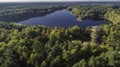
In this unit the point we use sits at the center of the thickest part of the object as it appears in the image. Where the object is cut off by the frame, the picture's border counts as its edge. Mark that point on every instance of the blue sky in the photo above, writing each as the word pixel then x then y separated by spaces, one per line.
pixel 49 0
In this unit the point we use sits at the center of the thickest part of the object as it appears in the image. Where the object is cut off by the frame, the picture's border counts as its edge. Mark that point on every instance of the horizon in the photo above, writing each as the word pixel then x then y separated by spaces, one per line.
pixel 65 2
pixel 15 1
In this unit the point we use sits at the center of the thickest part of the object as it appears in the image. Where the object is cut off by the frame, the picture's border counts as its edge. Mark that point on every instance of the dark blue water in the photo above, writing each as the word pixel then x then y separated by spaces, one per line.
pixel 60 18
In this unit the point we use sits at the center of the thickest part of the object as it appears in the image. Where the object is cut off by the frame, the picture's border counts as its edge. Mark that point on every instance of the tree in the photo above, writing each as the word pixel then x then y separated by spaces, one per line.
pixel 82 63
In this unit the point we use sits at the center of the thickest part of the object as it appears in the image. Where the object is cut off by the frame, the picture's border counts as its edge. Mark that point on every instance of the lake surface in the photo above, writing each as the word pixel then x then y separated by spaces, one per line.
pixel 60 18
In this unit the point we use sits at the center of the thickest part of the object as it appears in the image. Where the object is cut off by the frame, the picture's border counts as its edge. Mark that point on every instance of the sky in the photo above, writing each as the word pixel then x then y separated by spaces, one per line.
pixel 50 0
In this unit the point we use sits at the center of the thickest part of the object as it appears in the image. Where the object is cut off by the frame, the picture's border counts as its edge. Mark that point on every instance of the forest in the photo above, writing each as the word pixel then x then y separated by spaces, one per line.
pixel 102 12
pixel 41 46
pixel 16 13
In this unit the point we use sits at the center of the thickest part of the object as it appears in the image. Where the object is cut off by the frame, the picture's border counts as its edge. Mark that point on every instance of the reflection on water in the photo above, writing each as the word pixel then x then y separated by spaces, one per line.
pixel 60 18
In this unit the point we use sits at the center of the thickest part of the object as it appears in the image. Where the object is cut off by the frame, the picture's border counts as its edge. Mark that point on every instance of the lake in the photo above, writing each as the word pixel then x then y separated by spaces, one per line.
pixel 60 18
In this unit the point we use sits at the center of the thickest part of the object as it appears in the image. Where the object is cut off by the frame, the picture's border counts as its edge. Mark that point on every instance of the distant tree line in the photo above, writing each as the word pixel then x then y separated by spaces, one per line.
pixel 18 13
pixel 107 12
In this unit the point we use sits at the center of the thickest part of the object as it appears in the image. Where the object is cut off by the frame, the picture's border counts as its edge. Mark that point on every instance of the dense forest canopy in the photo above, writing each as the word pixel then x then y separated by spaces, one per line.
pixel 105 12
pixel 40 46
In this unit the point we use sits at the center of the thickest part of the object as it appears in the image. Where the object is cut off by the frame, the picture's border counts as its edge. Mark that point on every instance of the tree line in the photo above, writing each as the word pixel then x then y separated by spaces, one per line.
pixel 16 13
pixel 106 12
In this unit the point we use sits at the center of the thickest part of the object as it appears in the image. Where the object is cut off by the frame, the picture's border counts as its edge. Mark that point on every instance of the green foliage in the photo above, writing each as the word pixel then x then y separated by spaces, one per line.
pixel 97 12
pixel 82 63
pixel 113 15
pixel 40 46
pixel 21 11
